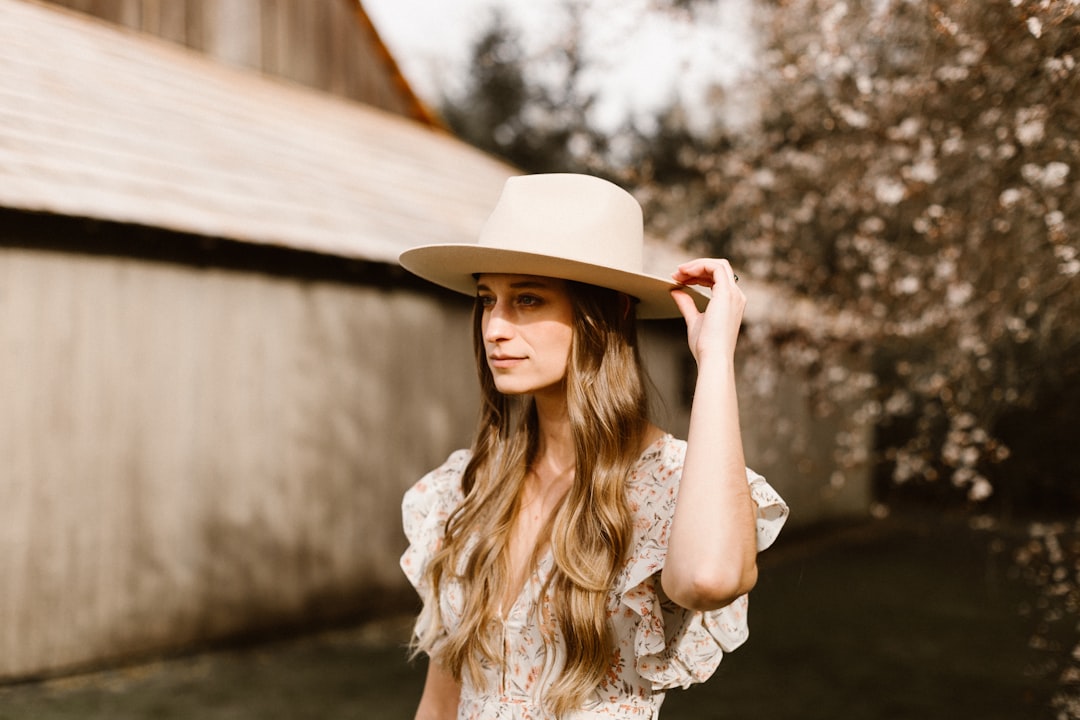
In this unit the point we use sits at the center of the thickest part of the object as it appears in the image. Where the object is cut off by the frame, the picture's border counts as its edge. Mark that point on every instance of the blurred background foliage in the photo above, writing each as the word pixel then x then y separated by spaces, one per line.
pixel 913 167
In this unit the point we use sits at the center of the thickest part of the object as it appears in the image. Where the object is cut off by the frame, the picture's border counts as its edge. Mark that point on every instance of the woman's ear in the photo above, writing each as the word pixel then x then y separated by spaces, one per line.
pixel 625 303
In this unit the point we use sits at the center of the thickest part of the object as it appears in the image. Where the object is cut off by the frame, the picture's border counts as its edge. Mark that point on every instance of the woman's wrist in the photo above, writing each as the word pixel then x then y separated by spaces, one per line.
pixel 715 361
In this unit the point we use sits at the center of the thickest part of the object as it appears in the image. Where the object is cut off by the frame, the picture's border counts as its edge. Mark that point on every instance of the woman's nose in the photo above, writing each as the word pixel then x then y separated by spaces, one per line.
pixel 496 325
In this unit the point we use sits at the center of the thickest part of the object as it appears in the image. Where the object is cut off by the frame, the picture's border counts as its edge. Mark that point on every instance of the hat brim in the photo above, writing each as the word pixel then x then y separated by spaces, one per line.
pixel 455 266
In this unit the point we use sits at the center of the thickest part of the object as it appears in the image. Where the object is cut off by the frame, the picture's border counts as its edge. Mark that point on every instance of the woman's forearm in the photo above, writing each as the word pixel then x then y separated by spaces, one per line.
pixel 712 548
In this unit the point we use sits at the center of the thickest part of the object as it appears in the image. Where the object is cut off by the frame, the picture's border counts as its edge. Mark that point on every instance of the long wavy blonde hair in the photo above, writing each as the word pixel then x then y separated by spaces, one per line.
pixel 590 531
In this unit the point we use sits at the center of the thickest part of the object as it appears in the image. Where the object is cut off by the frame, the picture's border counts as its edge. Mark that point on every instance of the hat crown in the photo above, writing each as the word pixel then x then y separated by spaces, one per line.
pixel 576 217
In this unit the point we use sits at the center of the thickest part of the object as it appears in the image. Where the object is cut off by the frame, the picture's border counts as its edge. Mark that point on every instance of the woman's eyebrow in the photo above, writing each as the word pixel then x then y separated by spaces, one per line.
pixel 519 285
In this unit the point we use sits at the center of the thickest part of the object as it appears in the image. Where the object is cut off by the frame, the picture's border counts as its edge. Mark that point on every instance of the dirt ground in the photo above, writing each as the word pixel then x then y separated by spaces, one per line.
pixel 914 616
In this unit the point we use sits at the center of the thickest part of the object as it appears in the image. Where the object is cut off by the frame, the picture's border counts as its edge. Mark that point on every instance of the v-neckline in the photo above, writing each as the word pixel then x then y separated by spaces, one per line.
pixel 537 577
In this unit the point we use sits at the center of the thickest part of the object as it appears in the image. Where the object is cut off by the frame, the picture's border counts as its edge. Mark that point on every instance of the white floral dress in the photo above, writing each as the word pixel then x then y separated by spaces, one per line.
pixel 660 645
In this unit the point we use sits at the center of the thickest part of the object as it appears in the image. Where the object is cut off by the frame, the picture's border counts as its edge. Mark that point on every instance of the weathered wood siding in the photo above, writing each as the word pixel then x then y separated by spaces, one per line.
pixel 191 454
pixel 325 44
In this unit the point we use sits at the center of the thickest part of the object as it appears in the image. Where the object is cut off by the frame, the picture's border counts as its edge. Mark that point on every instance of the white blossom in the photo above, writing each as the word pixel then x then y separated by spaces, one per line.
pixel 899 403
pixel 959 293
pixel 906 130
pixel 907 285
pixel 952 73
pixel 1054 175
pixel 854 118
pixel 980 489
pixel 1068 263
pixel 764 178
pixel 924 170
pixel 952 144
pixel 971 55
pixel 1058 68
pixel 1031 125
pixel 1055 220
pixel 1049 177
pixel 872 225
pixel 948 24
pixel 964 421
pixel 945 270
pixel 889 191
pixel 1009 197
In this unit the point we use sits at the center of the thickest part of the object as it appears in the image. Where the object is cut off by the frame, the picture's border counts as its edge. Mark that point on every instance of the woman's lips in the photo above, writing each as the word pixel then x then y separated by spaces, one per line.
pixel 504 361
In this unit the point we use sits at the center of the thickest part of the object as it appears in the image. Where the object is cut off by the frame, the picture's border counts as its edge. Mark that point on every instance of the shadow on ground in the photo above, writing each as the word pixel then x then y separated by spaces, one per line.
pixel 910 617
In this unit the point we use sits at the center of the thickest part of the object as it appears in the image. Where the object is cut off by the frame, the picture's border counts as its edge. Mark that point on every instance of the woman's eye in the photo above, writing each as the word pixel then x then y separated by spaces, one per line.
pixel 528 300
pixel 485 301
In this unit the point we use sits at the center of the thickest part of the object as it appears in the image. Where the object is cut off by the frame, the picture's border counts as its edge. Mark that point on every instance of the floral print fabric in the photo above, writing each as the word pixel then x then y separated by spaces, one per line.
pixel 659 644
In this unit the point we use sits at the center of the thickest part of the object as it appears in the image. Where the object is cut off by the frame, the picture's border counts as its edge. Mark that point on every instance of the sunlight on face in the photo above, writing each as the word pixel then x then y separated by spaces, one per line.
pixel 527 329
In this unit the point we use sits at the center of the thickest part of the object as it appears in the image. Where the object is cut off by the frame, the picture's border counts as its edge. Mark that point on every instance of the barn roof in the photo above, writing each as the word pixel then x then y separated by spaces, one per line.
pixel 104 123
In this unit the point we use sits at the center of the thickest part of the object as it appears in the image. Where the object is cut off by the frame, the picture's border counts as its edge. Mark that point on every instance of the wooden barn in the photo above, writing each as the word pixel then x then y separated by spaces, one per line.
pixel 215 380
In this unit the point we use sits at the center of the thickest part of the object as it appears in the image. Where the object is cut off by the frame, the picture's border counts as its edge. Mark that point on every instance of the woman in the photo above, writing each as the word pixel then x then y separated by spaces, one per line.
pixel 577 561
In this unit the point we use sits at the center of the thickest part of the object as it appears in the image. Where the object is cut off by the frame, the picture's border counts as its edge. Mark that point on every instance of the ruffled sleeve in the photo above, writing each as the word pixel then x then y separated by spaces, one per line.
pixel 424 511
pixel 673 646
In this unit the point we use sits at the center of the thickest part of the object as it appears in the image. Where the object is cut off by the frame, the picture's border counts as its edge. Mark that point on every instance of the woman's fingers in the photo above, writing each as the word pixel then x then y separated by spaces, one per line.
pixel 704 271
pixel 686 305
pixel 714 331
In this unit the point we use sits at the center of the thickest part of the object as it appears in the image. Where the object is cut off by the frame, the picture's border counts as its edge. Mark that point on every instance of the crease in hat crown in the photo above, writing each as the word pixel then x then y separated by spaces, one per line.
pixel 561 225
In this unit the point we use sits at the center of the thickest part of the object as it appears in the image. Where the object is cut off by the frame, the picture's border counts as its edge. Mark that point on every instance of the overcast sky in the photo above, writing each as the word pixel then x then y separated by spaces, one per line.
pixel 642 58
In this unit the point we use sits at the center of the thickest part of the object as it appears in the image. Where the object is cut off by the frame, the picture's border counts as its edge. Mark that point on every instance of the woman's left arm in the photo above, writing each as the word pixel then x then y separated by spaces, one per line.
pixel 712 547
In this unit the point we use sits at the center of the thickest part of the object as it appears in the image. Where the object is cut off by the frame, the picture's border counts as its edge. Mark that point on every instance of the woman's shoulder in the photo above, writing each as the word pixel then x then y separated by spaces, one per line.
pixel 662 458
pixel 450 470
pixel 439 491
pixel 424 511
pixel 663 447
pixel 654 481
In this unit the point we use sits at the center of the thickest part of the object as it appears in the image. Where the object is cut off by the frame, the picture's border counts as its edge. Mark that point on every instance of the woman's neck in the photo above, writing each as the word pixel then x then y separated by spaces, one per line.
pixel 555 455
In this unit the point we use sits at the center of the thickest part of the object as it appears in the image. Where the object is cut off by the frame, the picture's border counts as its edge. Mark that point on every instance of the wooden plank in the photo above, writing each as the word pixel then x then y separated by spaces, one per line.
pixel 167 19
pixel 340 34
pixel 194 23
pixel 299 45
pixel 269 34
pixel 85 6
pixel 233 32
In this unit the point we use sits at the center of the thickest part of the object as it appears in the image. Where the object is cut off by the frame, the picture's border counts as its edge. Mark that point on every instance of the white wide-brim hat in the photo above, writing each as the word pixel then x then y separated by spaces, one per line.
pixel 567 226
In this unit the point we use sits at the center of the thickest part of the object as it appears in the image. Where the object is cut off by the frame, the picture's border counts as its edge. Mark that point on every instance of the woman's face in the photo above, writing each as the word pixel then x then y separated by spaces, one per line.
pixel 527 326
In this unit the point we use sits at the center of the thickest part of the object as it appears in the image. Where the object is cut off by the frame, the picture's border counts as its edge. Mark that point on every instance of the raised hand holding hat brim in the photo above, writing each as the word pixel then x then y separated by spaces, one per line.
pixel 715 330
